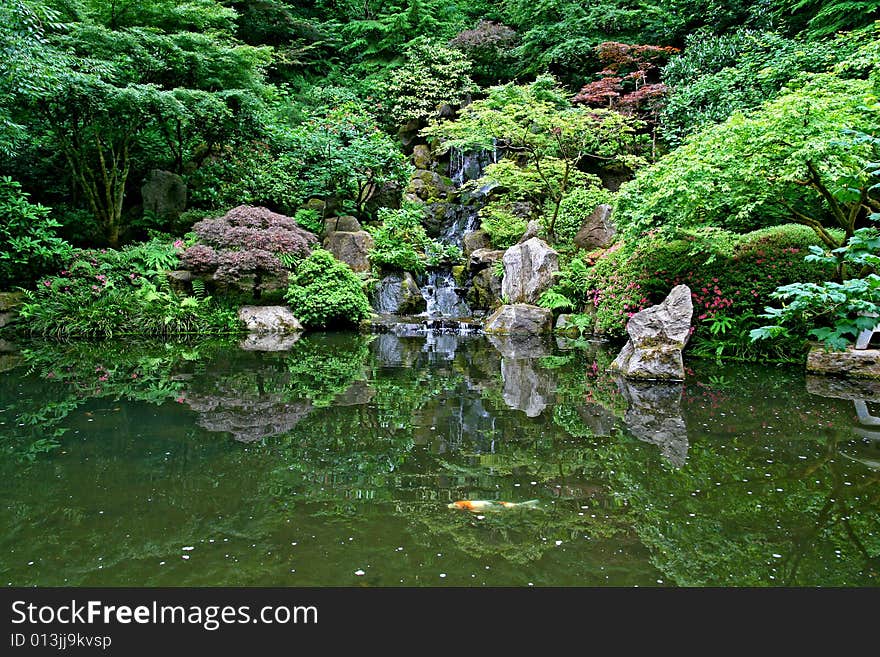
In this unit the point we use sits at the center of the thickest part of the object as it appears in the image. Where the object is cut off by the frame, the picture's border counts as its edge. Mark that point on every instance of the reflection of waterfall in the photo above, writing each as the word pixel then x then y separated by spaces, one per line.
pixel 441 294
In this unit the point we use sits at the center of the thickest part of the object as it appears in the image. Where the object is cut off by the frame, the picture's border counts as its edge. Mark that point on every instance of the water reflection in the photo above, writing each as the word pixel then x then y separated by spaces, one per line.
pixel 654 415
pixel 300 467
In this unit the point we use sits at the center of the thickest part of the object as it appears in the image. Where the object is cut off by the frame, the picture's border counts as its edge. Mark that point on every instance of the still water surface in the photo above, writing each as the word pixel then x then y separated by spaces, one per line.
pixel 332 462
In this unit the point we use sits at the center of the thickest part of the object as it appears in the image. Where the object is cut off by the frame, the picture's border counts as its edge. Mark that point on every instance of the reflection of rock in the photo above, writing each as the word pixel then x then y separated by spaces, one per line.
pixel 392 351
pixel 527 386
pixel 528 270
pixel 248 420
pixel 520 346
pixel 519 318
pixel 268 342
pixel 269 319
pixel 598 419
pixel 654 416
pixel 863 363
pixel 656 337
pixel 852 389
pixel 357 394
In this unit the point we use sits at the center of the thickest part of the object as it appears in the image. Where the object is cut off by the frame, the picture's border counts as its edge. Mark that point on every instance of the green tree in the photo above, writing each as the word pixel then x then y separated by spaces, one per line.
pixel 537 123
pixel 791 160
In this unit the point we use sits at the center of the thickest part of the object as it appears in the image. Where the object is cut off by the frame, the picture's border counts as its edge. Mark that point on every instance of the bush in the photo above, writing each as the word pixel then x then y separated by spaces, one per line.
pixel 576 206
pixel 247 242
pixel 325 292
pixel 109 292
pixel 731 276
pixel 401 242
pixel 503 227
pixel 29 246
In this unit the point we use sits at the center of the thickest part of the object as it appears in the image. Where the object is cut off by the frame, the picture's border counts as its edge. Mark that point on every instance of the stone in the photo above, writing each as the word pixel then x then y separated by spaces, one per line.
pixel 430 186
pixel 421 157
pixel 482 258
pixel 10 301
pixel 657 336
pixel 358 393
pixel 398 294
pixel 474 241
pixel 164 194
pixel 519 346
pixel 519 318
pixel 350 248
pixel 597 231
pixel 654 416
pixel 269 319
pixel 528 271
pixel 565 327
pixel 859 363
pixel 346 224
pixel 269 342
pixel 484 292
pixel 180 280
pixel 532 229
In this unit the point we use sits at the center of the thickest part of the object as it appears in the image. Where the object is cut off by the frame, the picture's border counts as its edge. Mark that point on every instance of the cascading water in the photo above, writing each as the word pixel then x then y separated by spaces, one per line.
pixel 440 290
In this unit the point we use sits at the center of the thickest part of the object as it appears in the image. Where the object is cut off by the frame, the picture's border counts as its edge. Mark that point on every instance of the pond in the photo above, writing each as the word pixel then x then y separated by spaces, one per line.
pixel 331 461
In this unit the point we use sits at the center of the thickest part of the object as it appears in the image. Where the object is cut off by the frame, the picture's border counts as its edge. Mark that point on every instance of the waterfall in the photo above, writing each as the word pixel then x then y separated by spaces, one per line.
pixel 441 295
pixel 441 292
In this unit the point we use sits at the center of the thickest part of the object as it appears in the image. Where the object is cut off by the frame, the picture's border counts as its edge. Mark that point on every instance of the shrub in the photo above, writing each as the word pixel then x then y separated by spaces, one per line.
pixel 325 292
pixel 401 242
pixel 730 276
pixel 29 246
pixel 245 242
pixel 504 227
pixel 111 292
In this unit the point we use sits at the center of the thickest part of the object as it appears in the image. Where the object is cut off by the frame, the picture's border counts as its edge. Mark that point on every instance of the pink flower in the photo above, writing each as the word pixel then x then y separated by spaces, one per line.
pixel 47 283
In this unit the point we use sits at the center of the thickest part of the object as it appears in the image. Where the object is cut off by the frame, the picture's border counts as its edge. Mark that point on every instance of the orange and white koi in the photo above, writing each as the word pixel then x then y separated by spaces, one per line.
pixel 479 506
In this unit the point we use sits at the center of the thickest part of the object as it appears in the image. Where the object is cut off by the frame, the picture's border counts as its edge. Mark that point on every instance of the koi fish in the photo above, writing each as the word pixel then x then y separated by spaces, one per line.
pixel 478 506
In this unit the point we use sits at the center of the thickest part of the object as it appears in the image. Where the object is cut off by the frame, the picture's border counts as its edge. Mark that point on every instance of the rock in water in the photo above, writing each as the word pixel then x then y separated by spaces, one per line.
pixel 597 231
pixel 656 337
pixel 519 318
pixel 164 194
pixel 269 319
pixel 528 271
pixel 350 248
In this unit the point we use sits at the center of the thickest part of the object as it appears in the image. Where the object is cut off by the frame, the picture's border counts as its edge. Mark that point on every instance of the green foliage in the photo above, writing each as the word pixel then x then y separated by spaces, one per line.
pixel 402 243
pixel 29 245
pixel 310 220
pixel 326 293
pixel 731 278
pixel 790 160
pixel 120 292
pixel 719 75
pixel 432 75
pixel 576 206
pixel 836 311
pixel 537 123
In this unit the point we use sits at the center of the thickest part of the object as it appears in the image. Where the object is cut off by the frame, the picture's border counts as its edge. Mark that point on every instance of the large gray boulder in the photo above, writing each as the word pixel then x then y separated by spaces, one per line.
pixel 528 271
pixel 482 258
pixel 269 319
pixel 519 318
pixel 351 248
pixel 398 294
pixel 345 223
pixel 164 194
pixel 657 336
pixel 597 231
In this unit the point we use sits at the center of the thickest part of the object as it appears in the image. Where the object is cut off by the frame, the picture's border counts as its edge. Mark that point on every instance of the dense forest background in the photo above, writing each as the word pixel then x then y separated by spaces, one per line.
pixel 682 114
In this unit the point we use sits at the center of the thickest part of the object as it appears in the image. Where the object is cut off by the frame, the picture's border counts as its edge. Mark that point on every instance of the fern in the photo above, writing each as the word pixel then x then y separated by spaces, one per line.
pixel 198 287
pixel 555 301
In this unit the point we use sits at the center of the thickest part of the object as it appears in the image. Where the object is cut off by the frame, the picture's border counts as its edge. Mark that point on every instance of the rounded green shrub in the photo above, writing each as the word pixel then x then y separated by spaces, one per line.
pixel 325 292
